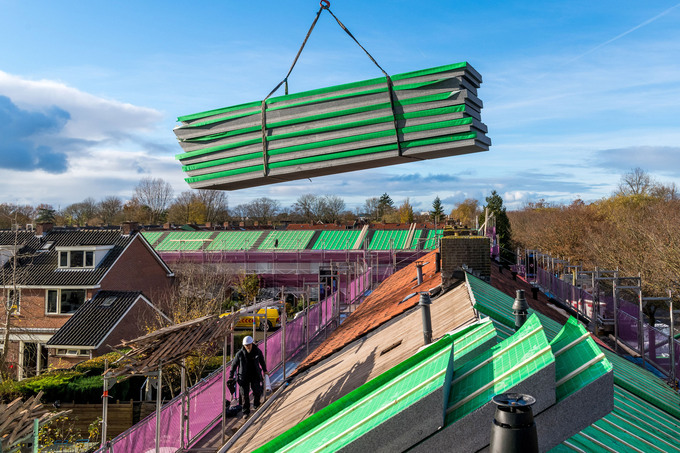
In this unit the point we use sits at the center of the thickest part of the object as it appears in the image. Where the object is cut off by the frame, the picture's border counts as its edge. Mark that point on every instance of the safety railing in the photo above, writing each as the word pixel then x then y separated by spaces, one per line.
pixel 204 401
pixel 654 344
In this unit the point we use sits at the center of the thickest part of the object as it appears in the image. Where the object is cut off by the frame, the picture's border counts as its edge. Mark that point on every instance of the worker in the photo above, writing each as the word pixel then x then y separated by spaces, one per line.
pixel 250 364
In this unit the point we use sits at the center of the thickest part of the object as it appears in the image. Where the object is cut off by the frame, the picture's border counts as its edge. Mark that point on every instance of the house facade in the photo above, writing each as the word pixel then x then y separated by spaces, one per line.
pixel 49 273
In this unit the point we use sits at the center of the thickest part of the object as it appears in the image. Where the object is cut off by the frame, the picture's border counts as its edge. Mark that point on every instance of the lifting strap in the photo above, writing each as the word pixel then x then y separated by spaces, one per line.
pixel 324 5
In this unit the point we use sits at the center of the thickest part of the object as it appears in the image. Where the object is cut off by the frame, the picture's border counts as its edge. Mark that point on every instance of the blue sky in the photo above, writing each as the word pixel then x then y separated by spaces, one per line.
pixel 575 93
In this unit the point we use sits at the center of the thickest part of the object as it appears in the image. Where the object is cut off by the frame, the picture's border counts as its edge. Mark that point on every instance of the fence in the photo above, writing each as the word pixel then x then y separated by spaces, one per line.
pixel 203 402
pixel 655 344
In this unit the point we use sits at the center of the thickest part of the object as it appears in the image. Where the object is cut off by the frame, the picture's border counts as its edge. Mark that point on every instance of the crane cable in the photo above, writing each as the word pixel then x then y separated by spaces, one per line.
pixel 324 5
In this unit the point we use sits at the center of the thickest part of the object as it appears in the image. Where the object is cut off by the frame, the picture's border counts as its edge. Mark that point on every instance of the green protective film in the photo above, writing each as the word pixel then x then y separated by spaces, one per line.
pixel 223 161
pixel 578 359
pixel 388 240
pixel 152 236
pixel 234 240
pixel 498 369
pixel 498 305
pixel 312 131
pixel 184 240
pixel 356 413
pixel 222 174
pixel 286 240
pixel 336 240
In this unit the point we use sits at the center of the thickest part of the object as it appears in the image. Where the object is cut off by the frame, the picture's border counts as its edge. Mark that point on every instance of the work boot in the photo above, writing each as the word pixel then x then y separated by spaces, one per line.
pixel 246 415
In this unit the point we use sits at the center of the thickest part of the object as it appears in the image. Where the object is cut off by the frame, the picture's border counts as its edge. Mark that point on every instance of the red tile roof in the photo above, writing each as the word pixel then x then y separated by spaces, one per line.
pixel 384 303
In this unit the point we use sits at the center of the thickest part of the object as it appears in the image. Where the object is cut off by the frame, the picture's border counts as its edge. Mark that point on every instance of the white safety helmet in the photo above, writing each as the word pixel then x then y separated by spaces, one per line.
pixel 247 340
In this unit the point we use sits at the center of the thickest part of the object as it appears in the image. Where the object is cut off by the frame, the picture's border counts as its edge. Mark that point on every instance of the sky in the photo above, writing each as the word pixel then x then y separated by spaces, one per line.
pixel 575 93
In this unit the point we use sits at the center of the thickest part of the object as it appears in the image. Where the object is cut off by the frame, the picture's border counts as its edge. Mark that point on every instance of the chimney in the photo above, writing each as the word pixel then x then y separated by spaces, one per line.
pixel 513 428
pixel 129 227
pixel 419 272
pixel 521 309
pixel 425 303
pixel 42 228
pixel 457 251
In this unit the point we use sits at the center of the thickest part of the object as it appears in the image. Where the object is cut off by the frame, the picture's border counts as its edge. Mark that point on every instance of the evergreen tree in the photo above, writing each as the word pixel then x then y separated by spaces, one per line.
pixel 437 212
pixel 385 205
pixel 494 203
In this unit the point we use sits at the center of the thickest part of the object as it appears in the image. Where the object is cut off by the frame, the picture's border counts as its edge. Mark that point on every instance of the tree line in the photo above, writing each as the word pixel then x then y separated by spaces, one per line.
pixel 154 203
pixel 635 230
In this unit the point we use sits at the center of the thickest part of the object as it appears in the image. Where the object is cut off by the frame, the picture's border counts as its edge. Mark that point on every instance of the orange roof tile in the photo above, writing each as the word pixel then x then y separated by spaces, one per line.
pixel 383 304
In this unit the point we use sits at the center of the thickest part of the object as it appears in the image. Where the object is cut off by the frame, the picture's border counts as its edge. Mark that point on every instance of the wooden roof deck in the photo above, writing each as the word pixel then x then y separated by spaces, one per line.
pixel 354 365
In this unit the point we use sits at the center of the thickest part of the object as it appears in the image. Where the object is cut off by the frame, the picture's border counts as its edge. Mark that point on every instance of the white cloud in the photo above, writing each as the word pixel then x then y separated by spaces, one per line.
pixel 91 117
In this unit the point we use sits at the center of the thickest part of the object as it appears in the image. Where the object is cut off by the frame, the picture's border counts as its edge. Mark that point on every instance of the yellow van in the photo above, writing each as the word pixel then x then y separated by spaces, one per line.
pixel 272 319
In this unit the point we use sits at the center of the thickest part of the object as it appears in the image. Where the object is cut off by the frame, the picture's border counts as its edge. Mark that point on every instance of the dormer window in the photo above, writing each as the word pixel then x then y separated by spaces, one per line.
pixel 82 257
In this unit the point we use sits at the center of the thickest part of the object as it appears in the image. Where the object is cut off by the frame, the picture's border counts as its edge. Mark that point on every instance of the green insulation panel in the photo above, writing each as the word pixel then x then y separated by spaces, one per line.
pixel 184 240
pixel 578 359
pixel 234 240
pixel 152 236
pixel 363 409
pixel 646 415
pixel 498 306
pixel 435 113
pixel 498 369
pixel 388 240
pixel 336 240
pixel 286 240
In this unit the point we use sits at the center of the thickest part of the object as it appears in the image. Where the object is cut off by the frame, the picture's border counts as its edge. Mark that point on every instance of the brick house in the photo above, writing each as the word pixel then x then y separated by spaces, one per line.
pixel 57 270
pixel 100 324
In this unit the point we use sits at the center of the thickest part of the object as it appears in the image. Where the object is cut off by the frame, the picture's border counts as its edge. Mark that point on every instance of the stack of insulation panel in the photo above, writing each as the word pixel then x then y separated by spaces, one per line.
pixel 435 113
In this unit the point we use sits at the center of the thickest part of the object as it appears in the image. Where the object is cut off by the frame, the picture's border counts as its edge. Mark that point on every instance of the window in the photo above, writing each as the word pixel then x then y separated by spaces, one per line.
pixel 64 301
pixel 73 352
pixel 82 259
pixel 14 299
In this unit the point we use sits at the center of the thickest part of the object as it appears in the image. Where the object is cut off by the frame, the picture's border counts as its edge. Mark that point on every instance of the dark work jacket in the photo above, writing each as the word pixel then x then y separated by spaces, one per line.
pixel 250 365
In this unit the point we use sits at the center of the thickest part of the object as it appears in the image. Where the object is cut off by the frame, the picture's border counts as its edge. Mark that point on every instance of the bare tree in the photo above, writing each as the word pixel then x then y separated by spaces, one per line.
pixel 14 268
pixel 110 210
pixel 636 182
pixel 371 208
pixel 331 208
pixel 156 194
pixel 216 205
pixel 12 214
pixel 307 206
pixel 262 209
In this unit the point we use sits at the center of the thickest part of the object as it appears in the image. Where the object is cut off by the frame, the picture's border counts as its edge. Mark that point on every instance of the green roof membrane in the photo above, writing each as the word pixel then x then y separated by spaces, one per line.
pixel 498 305
pixel 578 359
pixel 336 240
pixel 360 411
pixel 498 369
pixel 152 236
pixel 388 240
pixel 286 240
pixel 184 240
pixel 234 240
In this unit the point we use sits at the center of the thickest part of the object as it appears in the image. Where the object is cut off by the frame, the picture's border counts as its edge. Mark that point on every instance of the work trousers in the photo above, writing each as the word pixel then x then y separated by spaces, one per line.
pixel 245 388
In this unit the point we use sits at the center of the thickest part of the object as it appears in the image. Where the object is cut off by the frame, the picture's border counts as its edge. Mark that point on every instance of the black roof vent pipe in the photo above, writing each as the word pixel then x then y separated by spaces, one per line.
pixel 419 272
pixel 521 309
pixel 513 429
pixel 437 262
pixel 425 303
